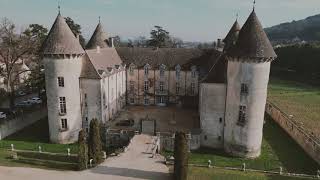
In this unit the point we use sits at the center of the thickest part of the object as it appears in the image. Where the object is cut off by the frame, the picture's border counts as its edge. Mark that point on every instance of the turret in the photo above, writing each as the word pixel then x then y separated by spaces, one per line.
pixel 63 55
pixel 98 39
pixel 247 81
pixel 232 36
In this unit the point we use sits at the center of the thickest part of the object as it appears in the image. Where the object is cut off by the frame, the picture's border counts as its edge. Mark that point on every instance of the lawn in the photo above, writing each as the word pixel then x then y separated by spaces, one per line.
pixel 297 99
pixel 30 138
pixel 220 174
pixel 278 149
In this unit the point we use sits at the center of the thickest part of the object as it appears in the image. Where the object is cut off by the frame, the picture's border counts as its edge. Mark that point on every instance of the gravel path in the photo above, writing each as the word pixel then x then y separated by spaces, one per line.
pixel 136 163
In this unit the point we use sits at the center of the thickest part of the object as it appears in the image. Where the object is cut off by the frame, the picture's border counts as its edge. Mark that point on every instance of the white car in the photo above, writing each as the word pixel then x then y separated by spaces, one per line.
pixel 35 100
pixel 3 115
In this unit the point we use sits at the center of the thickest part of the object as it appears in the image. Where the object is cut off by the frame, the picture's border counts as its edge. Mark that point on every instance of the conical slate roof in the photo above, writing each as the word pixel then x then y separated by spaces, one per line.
pixel 253 42
pixel 232 36
pixel 61 40
pixel 99 38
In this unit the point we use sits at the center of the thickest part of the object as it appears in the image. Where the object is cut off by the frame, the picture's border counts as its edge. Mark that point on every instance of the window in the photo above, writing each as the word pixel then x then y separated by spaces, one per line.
pixel 146 85
pixel 131 86
pixel 205 137
pixel 193 74
pixel 177 88
pixel 146 70
pixel 104 99
pixel 64 124
pixel 132 100
pixel 162 70
pixel 220 120
pixel 85 100
pixel 146 101
pixel 193 88
pixel 61 81
pixel 244 89
pixel 161 86
pixel 242 115
pixel 63 106
pixel 131 69
pixel 178 70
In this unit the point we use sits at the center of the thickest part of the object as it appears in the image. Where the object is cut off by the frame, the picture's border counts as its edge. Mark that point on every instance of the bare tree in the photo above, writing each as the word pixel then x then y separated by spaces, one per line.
pixel 13 48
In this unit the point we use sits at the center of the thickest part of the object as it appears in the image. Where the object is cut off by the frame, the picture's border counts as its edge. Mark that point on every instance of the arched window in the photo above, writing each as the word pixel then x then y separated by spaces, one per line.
pixel 131 69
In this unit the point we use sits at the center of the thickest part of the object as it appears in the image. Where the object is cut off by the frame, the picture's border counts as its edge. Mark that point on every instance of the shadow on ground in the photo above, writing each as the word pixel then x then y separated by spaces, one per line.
pixel 131 173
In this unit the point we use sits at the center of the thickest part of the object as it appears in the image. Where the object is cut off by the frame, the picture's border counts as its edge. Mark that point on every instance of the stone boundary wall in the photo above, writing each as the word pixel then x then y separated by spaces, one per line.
pixel 244 169
pixel 305 139
pixel 167 141
pixel 10 126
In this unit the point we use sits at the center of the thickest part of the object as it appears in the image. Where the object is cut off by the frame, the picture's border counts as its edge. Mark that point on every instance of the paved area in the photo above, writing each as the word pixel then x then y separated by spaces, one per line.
pixel 136 163
pixel 168 119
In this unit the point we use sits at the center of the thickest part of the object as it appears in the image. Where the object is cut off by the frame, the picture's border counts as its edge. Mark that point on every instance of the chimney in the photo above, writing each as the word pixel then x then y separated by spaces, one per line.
pixel 219 43
pixel 98 49
pixel 111 42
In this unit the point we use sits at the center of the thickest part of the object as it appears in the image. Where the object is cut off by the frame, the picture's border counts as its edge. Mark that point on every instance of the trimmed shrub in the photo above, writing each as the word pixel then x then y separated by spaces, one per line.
pixel 180 156
pixel 95 144
pixel 83 151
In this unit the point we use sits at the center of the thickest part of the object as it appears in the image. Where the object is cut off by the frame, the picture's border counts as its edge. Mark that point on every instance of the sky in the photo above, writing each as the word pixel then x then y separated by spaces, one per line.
pixel 190 20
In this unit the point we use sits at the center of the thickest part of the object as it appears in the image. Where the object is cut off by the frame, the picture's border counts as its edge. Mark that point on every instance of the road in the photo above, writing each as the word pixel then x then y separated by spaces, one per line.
pixel 135 164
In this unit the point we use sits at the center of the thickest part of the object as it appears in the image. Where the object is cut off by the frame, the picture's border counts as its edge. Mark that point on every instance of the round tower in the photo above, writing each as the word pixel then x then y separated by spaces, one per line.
pixel 247 80
pixel 62 58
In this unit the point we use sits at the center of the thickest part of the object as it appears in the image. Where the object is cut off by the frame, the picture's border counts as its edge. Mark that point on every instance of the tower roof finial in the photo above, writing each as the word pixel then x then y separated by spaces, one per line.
pixel 59 7
pixel 254 4
pixel 237 16
pixel 99 19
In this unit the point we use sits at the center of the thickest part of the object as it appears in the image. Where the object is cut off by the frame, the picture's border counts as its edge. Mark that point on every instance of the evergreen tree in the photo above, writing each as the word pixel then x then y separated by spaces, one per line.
pixel 95 144
pixel 83 151
pixel 180 156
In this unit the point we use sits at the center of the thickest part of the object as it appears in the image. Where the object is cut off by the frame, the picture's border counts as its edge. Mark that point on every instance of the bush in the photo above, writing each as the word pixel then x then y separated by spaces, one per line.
pixel 95 144
pixel 180 156
pixel 83 151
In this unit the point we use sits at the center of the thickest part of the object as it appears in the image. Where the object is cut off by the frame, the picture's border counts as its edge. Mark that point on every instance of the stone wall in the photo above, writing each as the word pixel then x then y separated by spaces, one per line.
pixel 167 141
pixel 211 110
pixel 308 142
pixel 10 126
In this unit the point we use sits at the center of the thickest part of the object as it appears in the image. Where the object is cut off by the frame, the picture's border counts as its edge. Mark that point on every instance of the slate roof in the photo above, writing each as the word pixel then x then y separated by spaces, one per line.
pixel 218 71
pixel 232 36
pixel 99 38
pixel 253 42
pixel 61 40
pixel 88 71
pixel 107 57
pixel 158 56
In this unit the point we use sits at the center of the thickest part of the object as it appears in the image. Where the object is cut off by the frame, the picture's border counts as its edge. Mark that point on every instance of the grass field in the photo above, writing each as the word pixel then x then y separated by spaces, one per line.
pixel 297 99
pixel 278 149
pixel 30 138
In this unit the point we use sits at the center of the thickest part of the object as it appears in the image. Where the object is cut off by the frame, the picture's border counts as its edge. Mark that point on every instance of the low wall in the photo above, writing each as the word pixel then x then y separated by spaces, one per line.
pixel 10 126
pixel 167 141
pixel 305 139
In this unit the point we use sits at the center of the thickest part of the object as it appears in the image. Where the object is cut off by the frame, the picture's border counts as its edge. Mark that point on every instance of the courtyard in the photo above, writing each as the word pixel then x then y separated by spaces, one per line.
pixel 168 119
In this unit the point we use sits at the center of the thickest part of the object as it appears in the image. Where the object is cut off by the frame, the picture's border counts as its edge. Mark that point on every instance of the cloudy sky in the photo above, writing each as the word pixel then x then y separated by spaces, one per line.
pixel 191 20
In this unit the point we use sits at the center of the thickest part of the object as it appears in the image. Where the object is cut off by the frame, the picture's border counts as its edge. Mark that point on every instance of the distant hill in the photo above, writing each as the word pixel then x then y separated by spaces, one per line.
pixel 296 31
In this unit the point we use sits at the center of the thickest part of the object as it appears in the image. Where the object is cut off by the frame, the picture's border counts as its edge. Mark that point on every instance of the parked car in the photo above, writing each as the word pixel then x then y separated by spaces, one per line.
pixel 3 115
pixel 24 104
pixel 21 93
pixel 35 100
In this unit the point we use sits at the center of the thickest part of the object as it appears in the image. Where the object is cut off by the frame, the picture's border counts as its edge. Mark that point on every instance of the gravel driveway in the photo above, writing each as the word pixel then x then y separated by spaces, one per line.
pixel 136 163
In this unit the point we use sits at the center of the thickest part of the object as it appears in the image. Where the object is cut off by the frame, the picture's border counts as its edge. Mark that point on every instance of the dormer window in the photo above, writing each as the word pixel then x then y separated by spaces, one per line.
pixel 178 71
pixel 162 70
pixel 131 70
pixel 193 71
pixel 146 70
